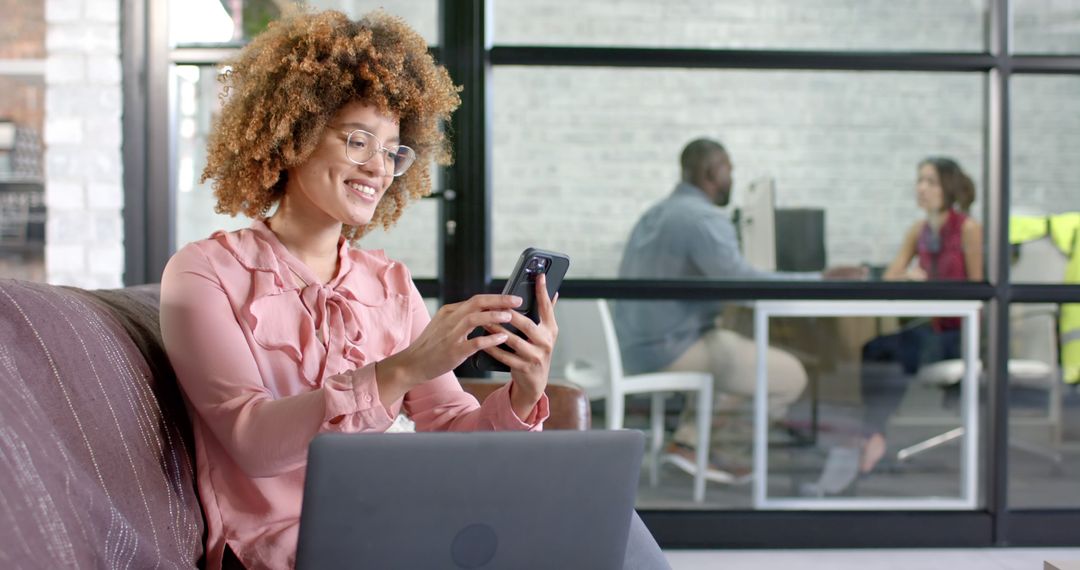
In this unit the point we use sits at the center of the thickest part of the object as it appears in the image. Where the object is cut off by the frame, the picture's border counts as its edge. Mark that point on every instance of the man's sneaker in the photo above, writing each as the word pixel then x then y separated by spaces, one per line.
pixel 718 471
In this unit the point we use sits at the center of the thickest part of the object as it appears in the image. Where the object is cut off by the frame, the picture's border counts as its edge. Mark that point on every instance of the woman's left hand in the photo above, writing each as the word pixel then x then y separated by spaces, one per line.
pixel 530 362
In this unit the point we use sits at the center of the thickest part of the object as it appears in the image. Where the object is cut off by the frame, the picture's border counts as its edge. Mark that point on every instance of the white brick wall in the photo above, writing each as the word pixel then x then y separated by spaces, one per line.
pixel 83 168
pixel 580 153
pixel 1046 26
pixel 64 11
pixel 941 25
pixel 1046 140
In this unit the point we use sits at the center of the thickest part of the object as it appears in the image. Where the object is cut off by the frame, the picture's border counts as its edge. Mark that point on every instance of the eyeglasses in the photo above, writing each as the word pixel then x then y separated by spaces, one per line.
pixel 361 146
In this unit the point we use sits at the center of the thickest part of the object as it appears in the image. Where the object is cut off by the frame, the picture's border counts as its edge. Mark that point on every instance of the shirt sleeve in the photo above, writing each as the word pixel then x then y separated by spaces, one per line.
pixel 222 383
pixel 714 248
pixel 440 404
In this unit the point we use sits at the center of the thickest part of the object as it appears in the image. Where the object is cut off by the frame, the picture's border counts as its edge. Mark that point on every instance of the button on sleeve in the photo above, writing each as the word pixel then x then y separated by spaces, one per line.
pixel 352 402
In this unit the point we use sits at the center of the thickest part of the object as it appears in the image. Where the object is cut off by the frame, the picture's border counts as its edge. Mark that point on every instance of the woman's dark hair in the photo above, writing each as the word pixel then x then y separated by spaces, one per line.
pixel 957 188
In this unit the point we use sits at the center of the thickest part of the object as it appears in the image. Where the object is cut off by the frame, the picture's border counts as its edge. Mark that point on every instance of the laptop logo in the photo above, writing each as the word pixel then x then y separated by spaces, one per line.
pixel 474 546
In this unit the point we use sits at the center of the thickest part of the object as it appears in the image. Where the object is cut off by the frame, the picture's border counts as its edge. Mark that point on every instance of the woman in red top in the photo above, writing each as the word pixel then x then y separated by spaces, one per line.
pixel 947 242
pixel 948 246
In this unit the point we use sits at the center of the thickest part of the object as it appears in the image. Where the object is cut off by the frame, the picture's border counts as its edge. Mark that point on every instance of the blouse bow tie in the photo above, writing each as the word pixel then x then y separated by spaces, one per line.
pixel 336 325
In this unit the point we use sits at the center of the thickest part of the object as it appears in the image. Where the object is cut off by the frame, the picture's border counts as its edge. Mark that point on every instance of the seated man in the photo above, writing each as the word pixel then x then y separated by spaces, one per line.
pixel 688 235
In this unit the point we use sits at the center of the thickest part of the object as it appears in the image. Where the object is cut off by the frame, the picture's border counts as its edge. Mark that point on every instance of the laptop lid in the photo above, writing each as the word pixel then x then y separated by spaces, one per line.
pixel 559 499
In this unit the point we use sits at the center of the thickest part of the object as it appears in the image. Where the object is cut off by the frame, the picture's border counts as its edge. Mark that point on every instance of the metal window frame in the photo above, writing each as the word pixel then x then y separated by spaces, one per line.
pixel 149 204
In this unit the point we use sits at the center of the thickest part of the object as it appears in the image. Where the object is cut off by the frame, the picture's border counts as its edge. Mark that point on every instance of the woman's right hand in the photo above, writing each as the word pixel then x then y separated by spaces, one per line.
pixel 444 343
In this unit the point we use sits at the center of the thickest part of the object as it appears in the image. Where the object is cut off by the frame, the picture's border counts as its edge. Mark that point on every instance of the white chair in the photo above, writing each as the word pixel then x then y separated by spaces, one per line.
pixel 1032 360
pixel 591 359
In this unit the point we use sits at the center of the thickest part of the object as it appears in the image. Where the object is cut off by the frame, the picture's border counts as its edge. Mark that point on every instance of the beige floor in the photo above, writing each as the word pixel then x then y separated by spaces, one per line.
pixel 897 559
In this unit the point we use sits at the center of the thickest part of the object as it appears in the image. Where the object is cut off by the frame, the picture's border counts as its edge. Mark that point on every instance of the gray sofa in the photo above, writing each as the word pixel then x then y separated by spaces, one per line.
pixel 96 452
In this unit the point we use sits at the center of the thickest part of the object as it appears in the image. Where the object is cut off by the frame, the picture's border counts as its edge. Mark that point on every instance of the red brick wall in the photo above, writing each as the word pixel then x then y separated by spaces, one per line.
pixel 22 99
pixel 22 31
pixel 22 36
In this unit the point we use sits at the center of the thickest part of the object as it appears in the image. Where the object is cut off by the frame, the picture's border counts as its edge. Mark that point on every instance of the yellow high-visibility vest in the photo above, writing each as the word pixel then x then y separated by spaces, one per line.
pixel 1064 231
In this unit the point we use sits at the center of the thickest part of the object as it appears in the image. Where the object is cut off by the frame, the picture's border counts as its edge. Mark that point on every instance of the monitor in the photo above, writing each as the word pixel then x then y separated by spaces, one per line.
pixel 800 239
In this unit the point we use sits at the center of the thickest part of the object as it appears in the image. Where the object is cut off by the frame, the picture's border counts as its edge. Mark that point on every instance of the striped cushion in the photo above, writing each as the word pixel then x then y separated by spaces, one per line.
pixel 95 446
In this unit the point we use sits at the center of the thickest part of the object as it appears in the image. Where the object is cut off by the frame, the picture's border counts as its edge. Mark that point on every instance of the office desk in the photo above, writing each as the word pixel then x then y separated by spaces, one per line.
pixel 967 311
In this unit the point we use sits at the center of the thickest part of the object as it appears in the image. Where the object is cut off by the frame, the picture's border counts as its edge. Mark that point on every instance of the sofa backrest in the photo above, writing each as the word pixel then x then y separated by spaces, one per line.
pixel 96 452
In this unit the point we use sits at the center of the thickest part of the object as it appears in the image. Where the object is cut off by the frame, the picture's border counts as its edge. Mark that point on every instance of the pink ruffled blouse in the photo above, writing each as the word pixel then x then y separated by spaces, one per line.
pixel 266 362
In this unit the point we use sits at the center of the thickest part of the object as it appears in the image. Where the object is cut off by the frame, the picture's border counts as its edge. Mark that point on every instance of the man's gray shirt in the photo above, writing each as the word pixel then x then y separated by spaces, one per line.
pixel 684 236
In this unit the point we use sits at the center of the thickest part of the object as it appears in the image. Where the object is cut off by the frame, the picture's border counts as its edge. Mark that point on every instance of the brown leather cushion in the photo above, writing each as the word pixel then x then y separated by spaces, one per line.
pixel 568 404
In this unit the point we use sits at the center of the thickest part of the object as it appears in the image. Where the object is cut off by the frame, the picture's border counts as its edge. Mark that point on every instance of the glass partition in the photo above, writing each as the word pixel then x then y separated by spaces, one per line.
pixel 1044 432
pixel 22 122
pixel 1045 209
pixel 580 154
pixel 867 400
pixel 874 25
pixel 1046 26
pixel 911 441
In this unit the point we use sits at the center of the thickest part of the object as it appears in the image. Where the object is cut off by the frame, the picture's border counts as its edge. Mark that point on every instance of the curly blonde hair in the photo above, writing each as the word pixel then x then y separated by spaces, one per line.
pixel 282 89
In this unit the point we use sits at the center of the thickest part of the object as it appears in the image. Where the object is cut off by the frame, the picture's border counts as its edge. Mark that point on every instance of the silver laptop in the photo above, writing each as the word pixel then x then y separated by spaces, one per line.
pixel 559 499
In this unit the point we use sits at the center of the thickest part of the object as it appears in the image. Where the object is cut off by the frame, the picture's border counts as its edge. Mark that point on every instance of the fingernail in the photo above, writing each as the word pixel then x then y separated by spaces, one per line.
pixel 503 317
pixel 501 337
pixel 515 300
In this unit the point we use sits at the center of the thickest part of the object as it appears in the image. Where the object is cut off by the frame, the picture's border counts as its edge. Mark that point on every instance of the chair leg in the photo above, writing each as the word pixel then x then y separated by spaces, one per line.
pixel 1037 450
pixel 1055 404
pixel 657 437
pixel 615 408
pixel 704 427
pixel 939 440
pixel 926 445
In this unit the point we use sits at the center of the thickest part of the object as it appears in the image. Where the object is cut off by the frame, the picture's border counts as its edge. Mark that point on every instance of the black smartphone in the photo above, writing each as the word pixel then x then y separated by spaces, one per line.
pixel 522 282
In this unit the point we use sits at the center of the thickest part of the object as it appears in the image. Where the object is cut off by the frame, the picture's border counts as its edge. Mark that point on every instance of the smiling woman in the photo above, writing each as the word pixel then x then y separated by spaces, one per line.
pixel 285 329
pixel 212 30
pixel 276 113
pixel 342 182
